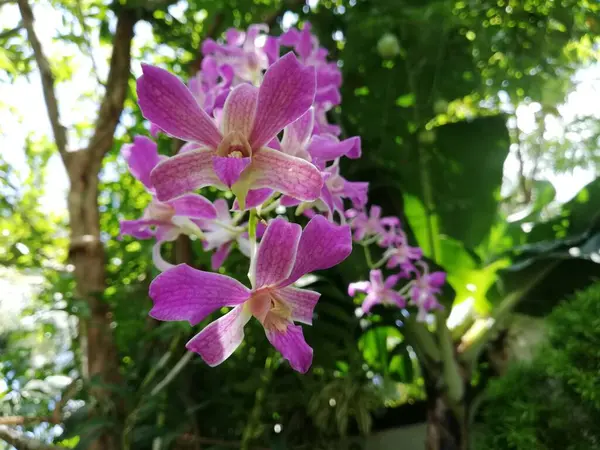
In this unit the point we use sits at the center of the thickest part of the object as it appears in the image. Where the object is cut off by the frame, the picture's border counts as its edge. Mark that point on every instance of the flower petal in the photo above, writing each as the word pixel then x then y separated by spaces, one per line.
pixel 322 245
pixel 239 110
pixel 140 228
pixel 220 339
pixel 287 91
pixel 328 149
pixel 183 293
pixel 297 134
pixel 370 301
pixel 184 173
pixel 158 260
pixel 302 302
pixel 292 346
pixel 282 173
pixel 194 206
pixel 229 169
pixel 358 286
pixel 276 253
pixel 168 103
pixel 141 156
pixel 220 255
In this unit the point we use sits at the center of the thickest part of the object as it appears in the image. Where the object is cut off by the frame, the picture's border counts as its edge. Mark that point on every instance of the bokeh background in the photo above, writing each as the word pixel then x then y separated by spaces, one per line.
pixel 480 126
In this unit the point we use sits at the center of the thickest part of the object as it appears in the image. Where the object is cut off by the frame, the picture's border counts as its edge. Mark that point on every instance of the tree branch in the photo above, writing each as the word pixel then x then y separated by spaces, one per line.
pixel 116 87
pixel 24 420
pixel 8 33
pixel 60 133
pixel 22 442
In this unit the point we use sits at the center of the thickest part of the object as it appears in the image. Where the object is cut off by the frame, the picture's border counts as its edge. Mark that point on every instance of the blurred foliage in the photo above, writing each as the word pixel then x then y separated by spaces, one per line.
pixel 553 402
pixel 424 84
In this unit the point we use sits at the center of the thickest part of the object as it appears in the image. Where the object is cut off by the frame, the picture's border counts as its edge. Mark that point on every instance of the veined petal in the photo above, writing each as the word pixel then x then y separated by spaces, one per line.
pixel 239 110
pixel 220 339
pixel 168 103
pixel 255 198
pixel 282 173
pixel 194 206
pixel 276 253
pixel 183 293
pixel 302 302
pixel 293 347
pixel 287 91
pixel 184 173
pixel 141 156
pixel 297 134
pixel 322 245
pixel 229 169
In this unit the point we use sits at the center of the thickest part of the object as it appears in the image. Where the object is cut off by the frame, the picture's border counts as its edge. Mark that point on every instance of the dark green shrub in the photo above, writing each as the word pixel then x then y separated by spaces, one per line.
pixel 553 402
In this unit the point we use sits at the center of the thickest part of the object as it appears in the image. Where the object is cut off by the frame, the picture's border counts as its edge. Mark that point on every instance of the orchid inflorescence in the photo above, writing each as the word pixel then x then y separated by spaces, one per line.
pixel 230 117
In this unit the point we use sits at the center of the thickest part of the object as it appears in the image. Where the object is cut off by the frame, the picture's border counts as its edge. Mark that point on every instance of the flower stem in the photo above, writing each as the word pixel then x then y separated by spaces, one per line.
pixel 252 223
pixel 252 428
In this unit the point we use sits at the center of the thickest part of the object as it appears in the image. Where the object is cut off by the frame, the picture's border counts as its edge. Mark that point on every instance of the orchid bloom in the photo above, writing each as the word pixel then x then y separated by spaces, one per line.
pixel 235 156
pixel 365 225
pixel 422 293
pixel 284 255
pixel 378 290
pixel 220 234
pixel 164 221
pixel 402 255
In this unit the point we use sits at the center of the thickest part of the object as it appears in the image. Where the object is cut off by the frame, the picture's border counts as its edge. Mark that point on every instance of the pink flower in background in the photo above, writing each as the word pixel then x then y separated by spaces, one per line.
pixel 164 221
pixel 364 225
pixel 423 291
pixel 235 156
pixel 247 54
pixel 378 290
pixel 284 255
pixel 402 255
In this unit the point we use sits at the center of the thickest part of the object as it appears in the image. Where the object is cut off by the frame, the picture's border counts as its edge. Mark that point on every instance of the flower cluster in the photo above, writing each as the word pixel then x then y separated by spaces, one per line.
pixel 255 123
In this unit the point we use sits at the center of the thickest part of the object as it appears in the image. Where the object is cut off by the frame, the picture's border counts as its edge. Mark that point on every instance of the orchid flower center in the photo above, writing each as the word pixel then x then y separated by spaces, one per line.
pixel 159 211
pixel 234 145
pixel 270 309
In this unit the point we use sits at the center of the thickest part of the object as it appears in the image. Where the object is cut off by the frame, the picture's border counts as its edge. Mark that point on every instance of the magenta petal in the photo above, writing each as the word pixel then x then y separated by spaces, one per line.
pixel 370 301
pixel 183 293
pixel 194 206
pixel 255 198
pixel 322 245
pixel 286 174
pixel 293 347
pixel 220 255
pixel 189 146
pixel 229 169
pixel 297 134
pixel 288 201
pixel 276 252
pixel 287 91
pixel 221 338
pixel 328 149
pixel 142 157
pixel 140 228
pixel 302 302
pixel 239 110
pixel 183 173
pixel 437 279
pixel 158 260
pixel 168 103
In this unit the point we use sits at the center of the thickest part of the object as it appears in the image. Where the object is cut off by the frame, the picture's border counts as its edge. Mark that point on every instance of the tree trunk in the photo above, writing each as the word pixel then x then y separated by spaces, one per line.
pixel 86 254
pixel 447 427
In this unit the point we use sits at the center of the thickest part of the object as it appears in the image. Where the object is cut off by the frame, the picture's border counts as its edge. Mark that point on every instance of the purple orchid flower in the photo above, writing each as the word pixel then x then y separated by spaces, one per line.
pixel 248 54
pixel 164 221
pixel 422 293
pixel 220 234
pixel 236 156
pixel 378 290
pixel 364 225
pixel 284 255
pixel 402 255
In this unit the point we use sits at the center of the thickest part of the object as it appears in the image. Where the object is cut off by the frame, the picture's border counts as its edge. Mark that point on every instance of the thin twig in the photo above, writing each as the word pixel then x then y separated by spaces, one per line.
pixel 60 132
pixel 8 33
pixel 22 442
pixel 25 420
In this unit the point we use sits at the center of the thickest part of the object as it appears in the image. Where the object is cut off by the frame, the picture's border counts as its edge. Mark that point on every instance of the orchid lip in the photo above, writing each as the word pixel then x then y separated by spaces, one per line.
pixel 234 145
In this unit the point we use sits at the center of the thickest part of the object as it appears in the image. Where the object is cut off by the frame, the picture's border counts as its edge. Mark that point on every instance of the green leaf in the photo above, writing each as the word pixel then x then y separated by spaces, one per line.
pixel 406 100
